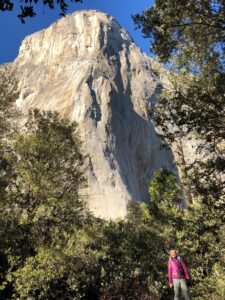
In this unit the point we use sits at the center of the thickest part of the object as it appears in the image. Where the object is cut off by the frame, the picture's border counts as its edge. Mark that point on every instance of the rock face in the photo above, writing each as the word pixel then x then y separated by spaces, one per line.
pixel 88 68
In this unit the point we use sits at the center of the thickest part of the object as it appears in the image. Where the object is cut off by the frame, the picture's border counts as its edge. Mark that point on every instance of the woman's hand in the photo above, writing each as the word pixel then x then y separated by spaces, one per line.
pixel 170 284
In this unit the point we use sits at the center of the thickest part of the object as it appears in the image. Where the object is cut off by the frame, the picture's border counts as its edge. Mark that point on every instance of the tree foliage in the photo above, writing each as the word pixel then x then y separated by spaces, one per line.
pixel 27 8
pixel 193 103
pixel 136 249
pixel 195 109
pixel 41 206
pixel 177 28
pixel 189 37
pixel 52 248
pixel 8 95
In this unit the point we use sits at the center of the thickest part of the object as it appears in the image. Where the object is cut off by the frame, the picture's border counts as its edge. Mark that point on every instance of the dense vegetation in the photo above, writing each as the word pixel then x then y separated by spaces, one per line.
pixel 53 248
pixel 189 37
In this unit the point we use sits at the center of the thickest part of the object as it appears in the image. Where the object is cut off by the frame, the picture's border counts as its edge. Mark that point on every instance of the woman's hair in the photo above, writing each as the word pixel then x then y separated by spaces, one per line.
pixel 172 250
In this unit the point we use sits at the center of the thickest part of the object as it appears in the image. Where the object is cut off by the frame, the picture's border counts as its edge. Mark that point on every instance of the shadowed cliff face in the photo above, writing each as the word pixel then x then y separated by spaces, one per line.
pixel 88 68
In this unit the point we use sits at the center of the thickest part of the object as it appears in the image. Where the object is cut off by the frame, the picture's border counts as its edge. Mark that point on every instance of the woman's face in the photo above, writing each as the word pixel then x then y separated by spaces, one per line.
pixel 173 253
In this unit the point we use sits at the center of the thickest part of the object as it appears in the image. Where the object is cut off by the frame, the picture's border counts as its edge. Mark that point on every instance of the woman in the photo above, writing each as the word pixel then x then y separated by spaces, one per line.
pixel 178 275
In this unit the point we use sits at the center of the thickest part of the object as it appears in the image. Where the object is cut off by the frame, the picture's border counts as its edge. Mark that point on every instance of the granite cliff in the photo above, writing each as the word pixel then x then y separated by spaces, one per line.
pixel 86 67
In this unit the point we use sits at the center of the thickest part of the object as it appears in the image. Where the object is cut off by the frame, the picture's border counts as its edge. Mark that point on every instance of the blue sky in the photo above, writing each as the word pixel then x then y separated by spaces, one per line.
pixel 13 32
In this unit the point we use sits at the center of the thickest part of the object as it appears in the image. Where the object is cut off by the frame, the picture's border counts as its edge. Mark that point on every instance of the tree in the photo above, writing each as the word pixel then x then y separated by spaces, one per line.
pixel 8 95
pixel 27 7
pixel 42 207
pixel 136 248
pixel 195 232
pixel 202 243
pixel 188 36
pixel 48 172
pixel 177 26
pixel 67 269
pixel 193 103
pixel 129 268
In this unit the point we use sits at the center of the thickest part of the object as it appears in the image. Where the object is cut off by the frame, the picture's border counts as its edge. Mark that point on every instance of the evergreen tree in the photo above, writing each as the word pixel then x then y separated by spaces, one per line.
pixel 190 30
pixel 193 103
pixel 8 95
pixel 189 37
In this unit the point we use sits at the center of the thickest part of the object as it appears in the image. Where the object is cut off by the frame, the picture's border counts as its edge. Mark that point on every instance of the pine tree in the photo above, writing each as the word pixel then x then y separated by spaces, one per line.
pixel 192 106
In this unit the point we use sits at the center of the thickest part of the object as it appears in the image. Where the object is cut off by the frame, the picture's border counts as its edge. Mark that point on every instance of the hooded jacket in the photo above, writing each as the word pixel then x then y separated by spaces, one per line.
pixel 177 269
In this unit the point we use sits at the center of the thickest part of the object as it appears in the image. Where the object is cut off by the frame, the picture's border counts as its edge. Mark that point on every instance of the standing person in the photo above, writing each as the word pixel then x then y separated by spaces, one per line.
pixel 178 275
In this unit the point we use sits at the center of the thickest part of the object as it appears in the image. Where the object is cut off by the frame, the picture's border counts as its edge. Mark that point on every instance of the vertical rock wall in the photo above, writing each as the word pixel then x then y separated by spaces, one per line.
pixel 88 68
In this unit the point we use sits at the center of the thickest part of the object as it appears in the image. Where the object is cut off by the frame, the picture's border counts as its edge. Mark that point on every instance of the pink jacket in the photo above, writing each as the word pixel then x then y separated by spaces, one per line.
pixel 177 269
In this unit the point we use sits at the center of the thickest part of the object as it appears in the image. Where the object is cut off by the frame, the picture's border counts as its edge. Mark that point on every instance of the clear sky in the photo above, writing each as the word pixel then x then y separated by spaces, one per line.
pixel 12 32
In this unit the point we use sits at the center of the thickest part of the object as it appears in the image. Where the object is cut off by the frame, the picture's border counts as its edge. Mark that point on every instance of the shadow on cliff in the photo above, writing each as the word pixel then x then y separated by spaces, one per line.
pixel 138 149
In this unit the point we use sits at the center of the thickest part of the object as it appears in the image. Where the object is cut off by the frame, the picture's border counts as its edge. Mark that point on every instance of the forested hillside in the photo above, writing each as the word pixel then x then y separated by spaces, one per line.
pixel 53 248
